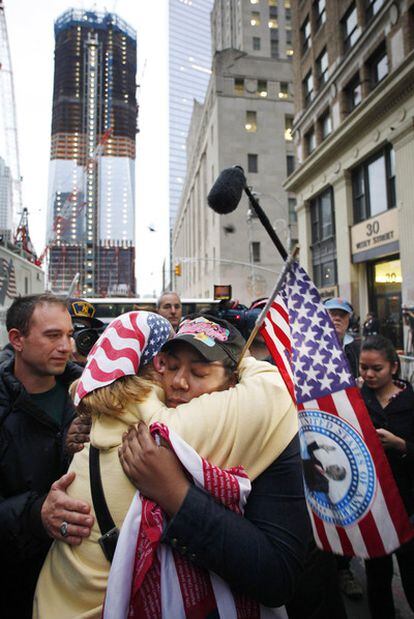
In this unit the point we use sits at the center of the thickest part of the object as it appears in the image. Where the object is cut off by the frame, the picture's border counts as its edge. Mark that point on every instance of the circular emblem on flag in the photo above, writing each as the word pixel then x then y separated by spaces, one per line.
pixel 338 469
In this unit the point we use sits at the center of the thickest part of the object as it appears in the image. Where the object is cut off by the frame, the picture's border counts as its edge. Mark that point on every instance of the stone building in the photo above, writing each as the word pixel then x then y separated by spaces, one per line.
pixel 354 135
pixel 246 120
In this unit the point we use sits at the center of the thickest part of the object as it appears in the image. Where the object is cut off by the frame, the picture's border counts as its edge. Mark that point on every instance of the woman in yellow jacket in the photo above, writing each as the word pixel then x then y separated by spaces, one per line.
pixel 249 424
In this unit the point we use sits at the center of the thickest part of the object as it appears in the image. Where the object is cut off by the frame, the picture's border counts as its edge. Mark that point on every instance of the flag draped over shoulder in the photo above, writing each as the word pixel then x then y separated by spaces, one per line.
pixel 354 503
pixel 150 580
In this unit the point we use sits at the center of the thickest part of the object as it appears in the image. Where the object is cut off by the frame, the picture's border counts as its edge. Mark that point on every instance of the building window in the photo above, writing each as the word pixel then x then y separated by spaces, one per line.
pixel 255 251
pixel 273 23
pixel 252 163
pixel 283 90
pixel 350 28
pixel 255 18
pixel 256 44
pixel 323 239
pixel 378 65
pixel 274 48
pixel 238 86
pixel 305 33
pixel 373 185
pixel 353 93
pixel 290 164
pixel 319 8
pixel 288 37
pixel 288 128
pixel 324 274
pixel 261 88
pixel 251 121
pixel 308 88
pixel 325 124
pixel 373 6
pixel 322 67
pixel 254 1
pixel 310 141
pixel 272 2
pixel 293 216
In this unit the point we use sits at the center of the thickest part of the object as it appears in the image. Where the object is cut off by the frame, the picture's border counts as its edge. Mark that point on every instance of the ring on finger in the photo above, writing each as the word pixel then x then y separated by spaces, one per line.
pixel 64 529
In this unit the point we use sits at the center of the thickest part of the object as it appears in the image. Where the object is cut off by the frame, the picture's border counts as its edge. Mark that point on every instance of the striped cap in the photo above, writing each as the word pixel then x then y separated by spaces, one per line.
pixel 131 340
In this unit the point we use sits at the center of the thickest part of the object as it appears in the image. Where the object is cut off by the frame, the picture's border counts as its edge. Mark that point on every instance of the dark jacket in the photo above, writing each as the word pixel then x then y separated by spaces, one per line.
pixel 352 351
pixel 32 457
pixel 397 417
pixel 261 554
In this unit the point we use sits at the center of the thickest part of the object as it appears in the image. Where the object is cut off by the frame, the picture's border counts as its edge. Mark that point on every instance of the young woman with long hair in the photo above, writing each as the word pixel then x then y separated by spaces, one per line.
pixel 390 403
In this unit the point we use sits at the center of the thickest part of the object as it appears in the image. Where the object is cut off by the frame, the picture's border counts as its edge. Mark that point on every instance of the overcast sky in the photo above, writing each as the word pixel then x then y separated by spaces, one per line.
pixel 30 28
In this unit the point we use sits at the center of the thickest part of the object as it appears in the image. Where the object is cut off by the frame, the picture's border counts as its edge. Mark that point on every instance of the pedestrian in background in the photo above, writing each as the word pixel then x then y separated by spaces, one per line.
pixel 371 325
pixel 169 306
pixel 390 403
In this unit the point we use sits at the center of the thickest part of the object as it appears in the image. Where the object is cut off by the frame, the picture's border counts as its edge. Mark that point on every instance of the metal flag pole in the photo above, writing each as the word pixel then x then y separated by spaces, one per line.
pixel 290 259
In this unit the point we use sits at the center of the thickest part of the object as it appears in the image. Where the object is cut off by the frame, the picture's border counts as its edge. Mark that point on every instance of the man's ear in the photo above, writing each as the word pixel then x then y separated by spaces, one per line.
pixel 159 362
pixel 16 339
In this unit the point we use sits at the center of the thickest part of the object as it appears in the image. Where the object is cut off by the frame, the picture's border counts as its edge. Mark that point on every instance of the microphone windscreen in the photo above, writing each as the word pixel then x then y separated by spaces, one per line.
pixel 227 191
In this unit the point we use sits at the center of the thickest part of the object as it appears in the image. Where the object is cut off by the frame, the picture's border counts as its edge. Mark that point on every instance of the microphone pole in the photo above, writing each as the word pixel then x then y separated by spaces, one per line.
pixel 266 223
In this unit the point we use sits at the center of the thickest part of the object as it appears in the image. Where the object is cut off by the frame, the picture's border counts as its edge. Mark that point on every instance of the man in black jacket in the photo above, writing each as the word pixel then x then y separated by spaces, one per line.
pixel 35 411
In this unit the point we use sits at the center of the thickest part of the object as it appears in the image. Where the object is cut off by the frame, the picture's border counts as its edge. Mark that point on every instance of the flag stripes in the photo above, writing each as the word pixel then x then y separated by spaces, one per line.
pixel 352 497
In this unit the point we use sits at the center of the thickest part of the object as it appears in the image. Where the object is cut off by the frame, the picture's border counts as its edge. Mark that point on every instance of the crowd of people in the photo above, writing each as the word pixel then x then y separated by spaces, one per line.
pixel 77 402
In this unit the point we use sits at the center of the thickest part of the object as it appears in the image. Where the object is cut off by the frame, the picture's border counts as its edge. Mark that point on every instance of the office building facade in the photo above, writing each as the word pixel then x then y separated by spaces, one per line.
pixel 354 134
pixel 245 120
pixel 189 50
pixel 92 178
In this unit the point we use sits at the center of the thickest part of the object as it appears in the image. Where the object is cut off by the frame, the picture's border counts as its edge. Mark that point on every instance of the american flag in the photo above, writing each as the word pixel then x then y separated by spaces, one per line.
pixel 7 280
pixel 129 341
pixel 352 498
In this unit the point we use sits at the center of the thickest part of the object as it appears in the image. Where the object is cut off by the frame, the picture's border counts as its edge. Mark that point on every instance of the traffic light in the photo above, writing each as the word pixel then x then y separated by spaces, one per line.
pixel 177 269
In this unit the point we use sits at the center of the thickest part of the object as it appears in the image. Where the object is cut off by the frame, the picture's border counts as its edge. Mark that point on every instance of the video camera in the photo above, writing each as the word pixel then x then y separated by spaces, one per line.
pixel 85 338
pixel 239 315
pixel 86 328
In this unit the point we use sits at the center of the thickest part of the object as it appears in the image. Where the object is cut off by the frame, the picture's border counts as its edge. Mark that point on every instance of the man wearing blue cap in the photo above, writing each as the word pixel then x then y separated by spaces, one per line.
pixel 340 311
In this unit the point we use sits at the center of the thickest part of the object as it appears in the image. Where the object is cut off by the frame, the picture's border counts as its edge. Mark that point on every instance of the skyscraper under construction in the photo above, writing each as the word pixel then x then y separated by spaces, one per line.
pixel 92 178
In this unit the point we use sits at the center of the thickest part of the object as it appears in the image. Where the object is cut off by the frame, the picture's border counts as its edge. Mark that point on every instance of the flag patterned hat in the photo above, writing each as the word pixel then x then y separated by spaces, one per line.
pixel 130 341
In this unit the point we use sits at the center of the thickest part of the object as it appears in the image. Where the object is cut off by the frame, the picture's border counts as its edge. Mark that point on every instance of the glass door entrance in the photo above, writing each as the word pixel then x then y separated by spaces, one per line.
pixel 385 294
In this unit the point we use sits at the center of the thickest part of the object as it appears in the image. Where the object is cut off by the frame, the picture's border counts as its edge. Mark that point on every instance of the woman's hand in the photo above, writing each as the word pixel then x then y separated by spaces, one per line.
pixel 154 470
pixel 390 441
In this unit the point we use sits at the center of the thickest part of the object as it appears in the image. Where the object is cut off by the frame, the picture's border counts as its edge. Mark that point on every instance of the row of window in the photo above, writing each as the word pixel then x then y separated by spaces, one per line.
pixel 318 19
pixel 374 70
pixel 261 88
pixel 253 163
pixel 274 44
pixel 373 192
pixel 322 74
pixel 350 27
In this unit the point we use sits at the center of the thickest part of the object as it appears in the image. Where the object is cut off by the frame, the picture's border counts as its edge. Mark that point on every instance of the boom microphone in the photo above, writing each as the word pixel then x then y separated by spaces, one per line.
pixel 226 192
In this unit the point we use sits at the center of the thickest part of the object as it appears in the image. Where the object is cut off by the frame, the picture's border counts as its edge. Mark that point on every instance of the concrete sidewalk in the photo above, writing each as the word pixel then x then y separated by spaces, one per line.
pixel 359 609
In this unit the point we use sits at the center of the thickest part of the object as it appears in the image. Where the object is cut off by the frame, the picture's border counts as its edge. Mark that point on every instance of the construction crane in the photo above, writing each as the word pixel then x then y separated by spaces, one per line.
pixel 9 150
pixel 22 237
